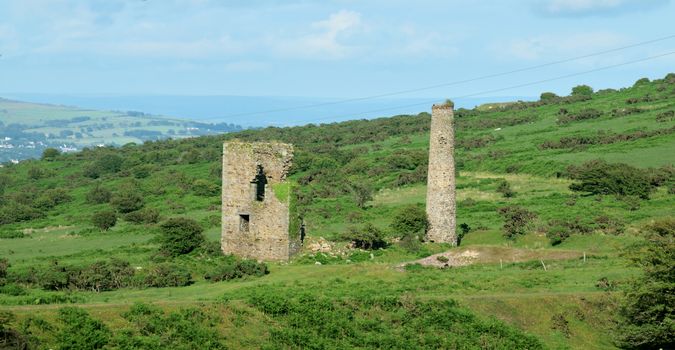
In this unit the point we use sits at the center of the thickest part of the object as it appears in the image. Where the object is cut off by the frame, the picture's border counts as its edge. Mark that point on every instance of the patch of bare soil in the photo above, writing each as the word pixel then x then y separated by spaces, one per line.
pixel 486 255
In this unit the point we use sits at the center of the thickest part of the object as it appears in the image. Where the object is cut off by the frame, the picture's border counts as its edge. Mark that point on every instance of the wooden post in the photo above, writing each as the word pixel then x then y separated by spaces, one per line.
pixel 542 264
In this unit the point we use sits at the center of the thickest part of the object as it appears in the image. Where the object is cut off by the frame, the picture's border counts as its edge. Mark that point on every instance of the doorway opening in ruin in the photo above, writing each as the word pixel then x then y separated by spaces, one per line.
pixel 259 182
pixel 244 222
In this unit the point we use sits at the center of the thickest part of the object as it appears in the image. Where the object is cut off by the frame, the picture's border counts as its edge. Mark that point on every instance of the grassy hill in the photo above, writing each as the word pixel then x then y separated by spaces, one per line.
pixel 26 129
pixel 518 292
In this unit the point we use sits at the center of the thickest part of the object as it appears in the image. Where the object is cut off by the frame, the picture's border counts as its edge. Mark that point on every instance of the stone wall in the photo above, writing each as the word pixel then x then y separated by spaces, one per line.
pixel 266 234
pixel 441 206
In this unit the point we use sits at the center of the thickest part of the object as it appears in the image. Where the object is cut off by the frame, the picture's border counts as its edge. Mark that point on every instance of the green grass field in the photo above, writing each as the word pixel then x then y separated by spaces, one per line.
pixel 562 305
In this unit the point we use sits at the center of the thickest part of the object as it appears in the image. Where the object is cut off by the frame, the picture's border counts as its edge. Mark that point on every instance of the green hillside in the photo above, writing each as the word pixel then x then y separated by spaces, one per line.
pixel 27 129
pixel 556 281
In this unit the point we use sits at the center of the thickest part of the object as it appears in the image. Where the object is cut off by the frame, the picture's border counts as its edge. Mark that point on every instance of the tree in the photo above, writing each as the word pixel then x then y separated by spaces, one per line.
pixel 180 236
pixel 362 193
pixel 50 153
pixel 104 219
pixel 582 90
pixel 648 311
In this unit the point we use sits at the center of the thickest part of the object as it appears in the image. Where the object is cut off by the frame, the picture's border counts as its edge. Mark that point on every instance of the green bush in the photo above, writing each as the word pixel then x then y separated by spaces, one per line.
pixel 205 188
pixel 180 236
pixel 365 237
pixel 237 269
pixel 516 220
pixel 410 221
pixel 504 187
pixel 166 275
pixel 98 195
pixel 600 177
pixel 104 220
pixel 548 96
pixel 51 198
pixel 143 216
pixel 127 200
pixel 13 290
pixel 4 265
pixel 103 276
pixel 11 234
pixel 557 234
pixel 9 337
pixel 648 310
pixel 582 90
pixel 182 329
pixel 80 331
pixel 50 153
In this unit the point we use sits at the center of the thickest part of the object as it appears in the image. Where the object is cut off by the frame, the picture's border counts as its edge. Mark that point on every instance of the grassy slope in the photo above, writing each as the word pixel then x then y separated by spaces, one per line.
pixel 521 293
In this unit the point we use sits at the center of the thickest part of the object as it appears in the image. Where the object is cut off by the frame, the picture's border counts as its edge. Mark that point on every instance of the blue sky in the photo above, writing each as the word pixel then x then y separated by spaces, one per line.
pixel 340 48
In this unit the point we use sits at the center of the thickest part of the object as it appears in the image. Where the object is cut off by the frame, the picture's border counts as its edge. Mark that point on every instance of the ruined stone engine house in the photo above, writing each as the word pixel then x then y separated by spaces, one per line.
pixel 258 219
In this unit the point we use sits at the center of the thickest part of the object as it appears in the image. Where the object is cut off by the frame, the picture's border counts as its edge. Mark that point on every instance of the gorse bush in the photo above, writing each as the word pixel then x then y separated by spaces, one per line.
pixel 104 220
pixel 80 331
pixel 648 309
pixel 516 220
pixel 180 236
pixel 152 328
pixel 143 216
pixel 237 269
pixel 371 322
pixel 365 237
pixel 410 221
pixel 166 275
pixel 600 177
pixel 504 187
pixel 127 200
pixel 98 195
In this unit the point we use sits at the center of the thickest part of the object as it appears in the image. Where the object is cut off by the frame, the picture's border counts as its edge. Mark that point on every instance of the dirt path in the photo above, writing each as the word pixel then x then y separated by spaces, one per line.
pixel 489 254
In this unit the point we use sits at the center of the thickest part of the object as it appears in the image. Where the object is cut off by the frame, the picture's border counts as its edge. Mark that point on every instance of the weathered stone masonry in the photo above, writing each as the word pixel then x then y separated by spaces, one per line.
pixel 256 201
pixel 441 206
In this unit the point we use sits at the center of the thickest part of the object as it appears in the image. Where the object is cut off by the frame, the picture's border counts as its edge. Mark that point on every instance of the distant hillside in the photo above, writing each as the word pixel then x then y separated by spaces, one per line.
pixel 26 129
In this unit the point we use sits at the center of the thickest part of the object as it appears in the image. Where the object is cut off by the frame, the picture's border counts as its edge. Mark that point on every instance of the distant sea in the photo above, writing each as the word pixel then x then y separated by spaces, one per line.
pixel 253 111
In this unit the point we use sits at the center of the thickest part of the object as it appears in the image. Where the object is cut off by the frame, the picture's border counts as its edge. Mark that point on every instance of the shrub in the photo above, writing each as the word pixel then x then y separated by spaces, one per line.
pixel 237 269
pixel 17 212
pixel 127 200
pixel 505 189
pixel 582 90
pixel 167 275
pixel 464 229
pixel 80 330
pixel 180 236
pixel 182 329
pixel 648 309
pixel 609 225
pixel 104 220
pixel 104 276
pixel 51 198
pixel 547 96
pixel 205 188
pixel 365 237
pixel 98 195
pixel 110 163
pixel 13 290
pixel 410 221
pixel 557 234
pixel 362 192
pixel 36 173
pixel 143 216
pixel 11 234
pixel 10 338
pixel 50 153
pixel 641 81
pixel 600 177
pixel 584 114
pixel 4 265
pixel 516 220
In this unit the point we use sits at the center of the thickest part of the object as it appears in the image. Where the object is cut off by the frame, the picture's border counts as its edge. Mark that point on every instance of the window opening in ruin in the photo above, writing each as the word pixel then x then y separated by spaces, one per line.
pixel 244 222
pixel 259 183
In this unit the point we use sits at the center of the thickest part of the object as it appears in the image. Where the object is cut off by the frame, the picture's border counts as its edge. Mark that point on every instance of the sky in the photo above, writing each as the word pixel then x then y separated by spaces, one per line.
pixel 329 49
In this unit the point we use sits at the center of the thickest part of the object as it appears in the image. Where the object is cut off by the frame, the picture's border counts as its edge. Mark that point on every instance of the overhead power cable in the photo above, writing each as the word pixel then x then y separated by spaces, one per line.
pixel 497 90
pixel 446 84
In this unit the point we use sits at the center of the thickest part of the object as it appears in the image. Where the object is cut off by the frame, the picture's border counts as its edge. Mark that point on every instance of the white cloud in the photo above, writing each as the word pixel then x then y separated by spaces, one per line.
pixel 593 7
pixel 327 39
pixel 541 46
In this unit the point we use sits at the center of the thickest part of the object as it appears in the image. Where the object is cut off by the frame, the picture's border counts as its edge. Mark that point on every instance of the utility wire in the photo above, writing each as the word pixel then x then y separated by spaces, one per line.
pixel 500 89
pixel 458 82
